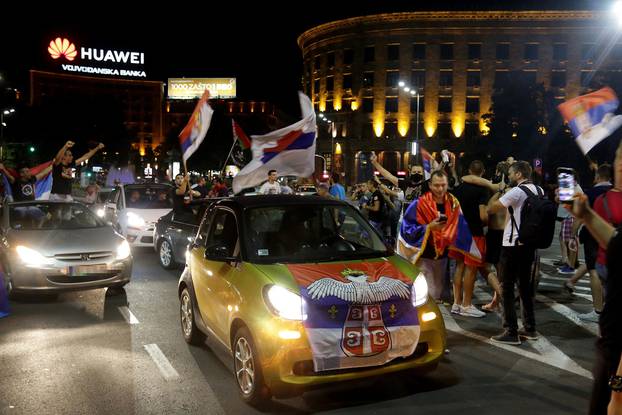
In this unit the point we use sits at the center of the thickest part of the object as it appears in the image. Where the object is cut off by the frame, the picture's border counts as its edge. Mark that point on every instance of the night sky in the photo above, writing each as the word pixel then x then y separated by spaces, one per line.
pixel 254 43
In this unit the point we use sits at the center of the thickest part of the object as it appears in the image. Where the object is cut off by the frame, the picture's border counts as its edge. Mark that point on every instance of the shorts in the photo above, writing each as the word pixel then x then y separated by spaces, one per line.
pixel 480 241
pixel 566 231
pixel 494 241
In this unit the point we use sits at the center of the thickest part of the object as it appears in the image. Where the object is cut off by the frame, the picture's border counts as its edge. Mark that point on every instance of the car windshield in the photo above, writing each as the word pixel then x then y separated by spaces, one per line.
pixel 309 233
pixel 149 197
pixel 46 216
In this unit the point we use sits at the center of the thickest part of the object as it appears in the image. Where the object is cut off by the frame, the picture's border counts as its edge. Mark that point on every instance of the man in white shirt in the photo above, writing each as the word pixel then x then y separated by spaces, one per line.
pixel 516 258
pixel 271 187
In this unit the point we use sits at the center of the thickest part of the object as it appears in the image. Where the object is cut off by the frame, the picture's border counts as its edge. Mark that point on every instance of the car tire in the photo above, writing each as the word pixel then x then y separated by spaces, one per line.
pixel 190 331
pixel 165 255
pixel 247 370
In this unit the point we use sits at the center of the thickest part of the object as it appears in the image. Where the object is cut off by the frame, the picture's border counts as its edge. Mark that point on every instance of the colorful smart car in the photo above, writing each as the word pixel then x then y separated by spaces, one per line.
pixel 302 291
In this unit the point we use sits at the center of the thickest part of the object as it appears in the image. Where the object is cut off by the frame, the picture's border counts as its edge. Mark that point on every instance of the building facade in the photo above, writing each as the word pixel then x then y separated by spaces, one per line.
pixel 450 64
pixel 140 101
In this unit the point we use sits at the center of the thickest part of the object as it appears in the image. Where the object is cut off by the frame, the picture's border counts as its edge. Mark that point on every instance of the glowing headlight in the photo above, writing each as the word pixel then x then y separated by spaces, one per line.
pixel 284 303
pixel 419 291
pixel 100 212
pixel 31 257
pixel 134 220
pixel 123 250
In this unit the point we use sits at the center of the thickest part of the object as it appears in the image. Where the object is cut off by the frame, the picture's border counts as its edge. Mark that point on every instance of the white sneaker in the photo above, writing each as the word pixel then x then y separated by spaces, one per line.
pixel 455 308
pixel 591 316
pixel 471 311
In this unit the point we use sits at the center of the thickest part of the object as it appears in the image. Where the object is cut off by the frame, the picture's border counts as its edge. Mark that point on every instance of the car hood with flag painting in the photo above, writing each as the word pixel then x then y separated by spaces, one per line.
pixel 358 313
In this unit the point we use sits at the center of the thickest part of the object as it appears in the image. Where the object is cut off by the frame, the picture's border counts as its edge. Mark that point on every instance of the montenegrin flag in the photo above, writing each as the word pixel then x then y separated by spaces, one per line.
pixel 289 151
pixel 194 132
pixel 590 117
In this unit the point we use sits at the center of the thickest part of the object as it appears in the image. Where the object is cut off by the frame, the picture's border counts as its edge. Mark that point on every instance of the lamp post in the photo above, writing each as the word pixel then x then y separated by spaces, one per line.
pixel 324 160
pixel 2 125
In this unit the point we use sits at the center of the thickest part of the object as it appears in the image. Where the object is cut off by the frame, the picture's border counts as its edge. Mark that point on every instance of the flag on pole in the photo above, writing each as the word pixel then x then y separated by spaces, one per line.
pixel 289 151
pixel 427 160
pixel 590 117
pixel 240 135
pixel 194 132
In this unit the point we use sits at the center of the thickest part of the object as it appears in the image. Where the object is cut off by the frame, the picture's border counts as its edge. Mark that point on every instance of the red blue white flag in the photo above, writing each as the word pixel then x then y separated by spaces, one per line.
pixel 590 117
pixel 194 132
pixel 289 151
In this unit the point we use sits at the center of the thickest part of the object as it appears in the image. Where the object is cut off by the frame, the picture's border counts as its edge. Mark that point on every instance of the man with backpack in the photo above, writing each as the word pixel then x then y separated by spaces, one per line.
pixel 530 224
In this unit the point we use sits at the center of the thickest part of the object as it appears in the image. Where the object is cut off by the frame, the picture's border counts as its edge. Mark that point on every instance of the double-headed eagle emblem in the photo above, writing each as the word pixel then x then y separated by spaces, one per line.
pixel 359 290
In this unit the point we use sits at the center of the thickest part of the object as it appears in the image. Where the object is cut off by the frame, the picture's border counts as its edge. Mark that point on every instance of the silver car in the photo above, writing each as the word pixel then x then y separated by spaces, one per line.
pixel 50 247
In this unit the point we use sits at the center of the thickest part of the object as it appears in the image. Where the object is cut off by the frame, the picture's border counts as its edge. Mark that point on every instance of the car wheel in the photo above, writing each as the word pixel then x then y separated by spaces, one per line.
pixel 249 377
pixel 189 329
pixel 165 255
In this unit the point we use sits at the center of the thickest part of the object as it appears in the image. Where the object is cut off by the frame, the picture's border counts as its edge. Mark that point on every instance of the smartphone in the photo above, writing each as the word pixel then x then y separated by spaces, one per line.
pixel 567 183
pixel 442 218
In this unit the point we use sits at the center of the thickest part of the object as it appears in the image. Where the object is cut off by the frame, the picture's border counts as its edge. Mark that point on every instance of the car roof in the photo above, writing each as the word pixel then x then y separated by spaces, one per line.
pixel 278 200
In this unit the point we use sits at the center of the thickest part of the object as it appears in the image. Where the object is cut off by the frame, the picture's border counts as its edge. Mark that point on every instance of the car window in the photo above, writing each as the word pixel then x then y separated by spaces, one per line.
pixel 147 197
pixel 223 231
pixel 308 233
pixel 52 216
pixel 112 196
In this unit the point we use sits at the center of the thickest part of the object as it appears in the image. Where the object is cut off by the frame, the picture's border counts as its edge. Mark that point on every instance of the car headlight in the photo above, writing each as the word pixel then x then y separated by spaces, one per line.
pixel 123 250
pixel 31 257
pixel 284 303
pixel 134 220
pixel 100 212
pixel 419 292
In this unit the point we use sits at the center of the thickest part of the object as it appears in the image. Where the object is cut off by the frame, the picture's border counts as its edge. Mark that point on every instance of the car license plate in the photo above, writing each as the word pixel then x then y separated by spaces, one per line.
pixel 86 270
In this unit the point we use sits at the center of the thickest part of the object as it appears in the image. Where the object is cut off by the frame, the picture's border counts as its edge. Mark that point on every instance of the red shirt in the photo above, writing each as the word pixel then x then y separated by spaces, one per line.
pixel 614 202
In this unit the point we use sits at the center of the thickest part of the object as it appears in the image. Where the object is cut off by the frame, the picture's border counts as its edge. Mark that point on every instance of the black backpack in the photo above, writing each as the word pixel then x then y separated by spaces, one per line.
pixel 537 220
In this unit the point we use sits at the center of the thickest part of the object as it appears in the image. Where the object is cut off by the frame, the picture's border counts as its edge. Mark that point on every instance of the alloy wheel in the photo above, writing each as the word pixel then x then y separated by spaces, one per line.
pixel 244 366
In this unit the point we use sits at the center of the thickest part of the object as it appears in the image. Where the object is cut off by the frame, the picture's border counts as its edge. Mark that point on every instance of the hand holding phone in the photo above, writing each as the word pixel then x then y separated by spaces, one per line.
pixel 567 183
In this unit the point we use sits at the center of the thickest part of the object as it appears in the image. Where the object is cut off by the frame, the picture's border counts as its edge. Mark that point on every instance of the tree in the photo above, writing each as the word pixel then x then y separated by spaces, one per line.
pixel 518 119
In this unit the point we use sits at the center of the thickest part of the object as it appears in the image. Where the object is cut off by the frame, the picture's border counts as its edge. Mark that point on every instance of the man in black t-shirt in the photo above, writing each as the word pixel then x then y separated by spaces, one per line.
pixel 24 185
pixel 473 201
pixel 375 206
pixel 62 171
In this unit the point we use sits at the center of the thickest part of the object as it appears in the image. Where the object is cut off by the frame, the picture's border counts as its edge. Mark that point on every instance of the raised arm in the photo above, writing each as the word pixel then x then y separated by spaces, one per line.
pixel 44 172
pixel 480 181
pixel 384 172
pixel 8 175
pixel 90 153
pixel 61 152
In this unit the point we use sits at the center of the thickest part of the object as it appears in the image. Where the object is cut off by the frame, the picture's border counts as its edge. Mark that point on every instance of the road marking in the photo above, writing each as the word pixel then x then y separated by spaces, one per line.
pixel 550 277
pixel 569 313
pixel 128 315
pixel 166 369
pixel 554 357
pixel 548 284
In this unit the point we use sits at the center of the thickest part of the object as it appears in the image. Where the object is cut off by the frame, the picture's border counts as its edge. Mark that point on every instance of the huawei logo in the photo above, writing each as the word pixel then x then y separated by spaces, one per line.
pixel 62 47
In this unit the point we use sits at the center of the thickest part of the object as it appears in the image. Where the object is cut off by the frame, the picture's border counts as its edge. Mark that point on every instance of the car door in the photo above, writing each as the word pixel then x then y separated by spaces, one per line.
pixel 181 229
pixel 215 295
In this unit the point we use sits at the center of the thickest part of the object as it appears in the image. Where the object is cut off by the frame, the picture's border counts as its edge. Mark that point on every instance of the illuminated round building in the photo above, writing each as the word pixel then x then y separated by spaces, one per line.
pixel 453 60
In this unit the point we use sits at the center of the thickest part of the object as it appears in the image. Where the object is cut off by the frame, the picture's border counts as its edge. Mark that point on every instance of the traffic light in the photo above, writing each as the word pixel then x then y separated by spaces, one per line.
pixel 31 149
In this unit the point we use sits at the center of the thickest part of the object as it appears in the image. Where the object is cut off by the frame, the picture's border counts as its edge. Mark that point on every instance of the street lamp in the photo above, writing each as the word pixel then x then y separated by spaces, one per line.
pixel 2 125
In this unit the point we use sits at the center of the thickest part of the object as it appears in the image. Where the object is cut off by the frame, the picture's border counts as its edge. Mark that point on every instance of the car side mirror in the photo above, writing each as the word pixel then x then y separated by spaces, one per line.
pixel 219 253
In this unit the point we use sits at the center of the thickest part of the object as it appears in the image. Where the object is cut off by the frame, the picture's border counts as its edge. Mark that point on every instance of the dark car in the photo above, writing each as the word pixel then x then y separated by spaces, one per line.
pixel 175 230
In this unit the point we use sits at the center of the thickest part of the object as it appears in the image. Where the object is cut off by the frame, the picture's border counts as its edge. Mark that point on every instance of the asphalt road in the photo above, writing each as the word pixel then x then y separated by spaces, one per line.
pixel 92 353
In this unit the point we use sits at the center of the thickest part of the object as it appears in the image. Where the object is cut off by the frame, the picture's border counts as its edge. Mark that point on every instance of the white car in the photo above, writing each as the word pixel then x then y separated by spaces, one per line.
pixel 135 208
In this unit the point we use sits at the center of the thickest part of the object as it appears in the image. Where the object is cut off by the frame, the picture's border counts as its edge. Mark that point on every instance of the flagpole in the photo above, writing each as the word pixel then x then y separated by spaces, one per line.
pixel 222 172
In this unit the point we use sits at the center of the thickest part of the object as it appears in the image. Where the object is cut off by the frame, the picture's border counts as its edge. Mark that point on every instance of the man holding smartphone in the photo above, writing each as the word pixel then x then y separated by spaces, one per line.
pixel 516 259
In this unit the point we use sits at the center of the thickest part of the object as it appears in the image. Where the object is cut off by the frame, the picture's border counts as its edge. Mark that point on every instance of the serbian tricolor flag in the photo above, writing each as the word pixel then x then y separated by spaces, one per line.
pixel 5 310
pixel 289 151
pixel 426 160
pixel 590 117
pixel 358 314
pixel 43 186
pixel 240 135
pixel 455 235
pixel 194 132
